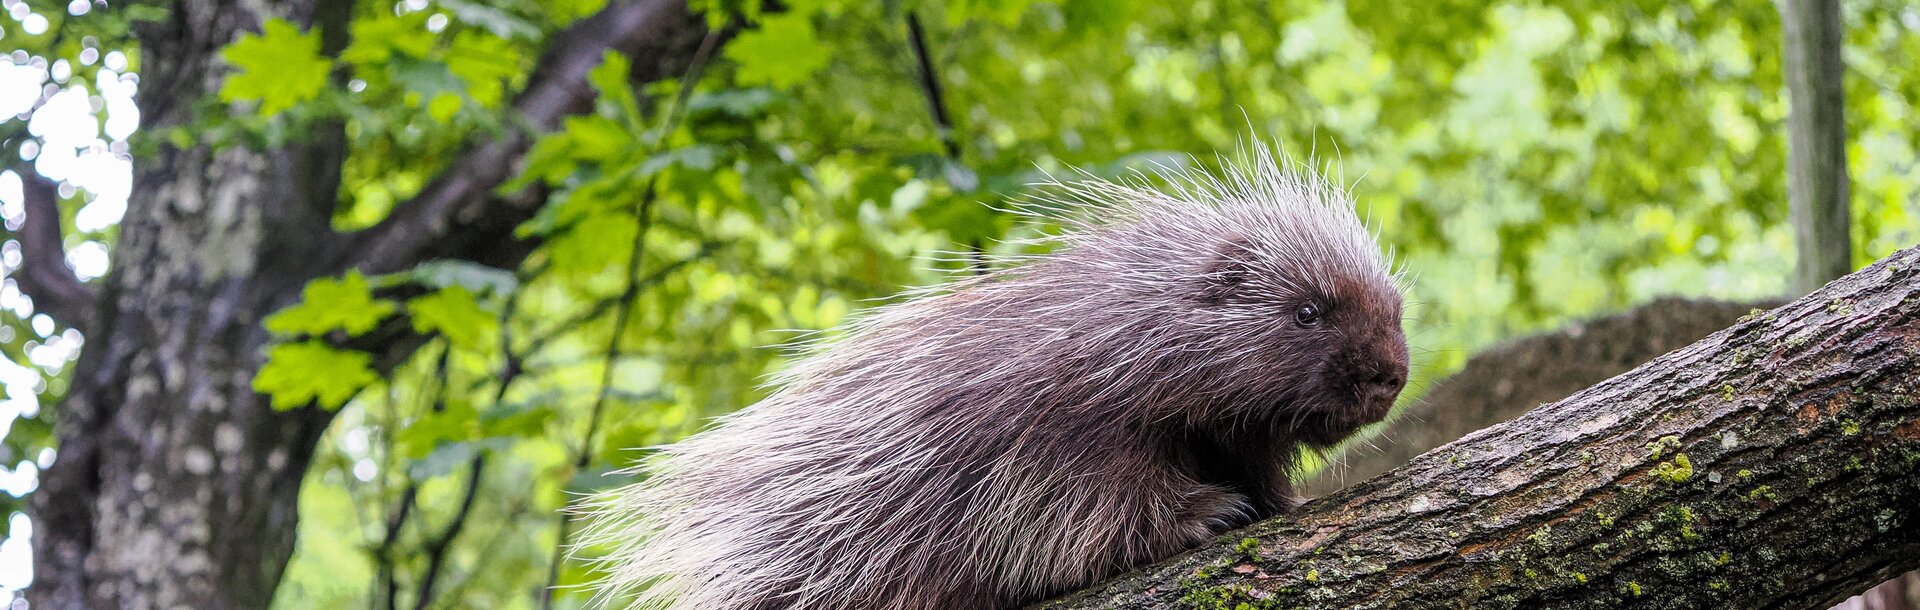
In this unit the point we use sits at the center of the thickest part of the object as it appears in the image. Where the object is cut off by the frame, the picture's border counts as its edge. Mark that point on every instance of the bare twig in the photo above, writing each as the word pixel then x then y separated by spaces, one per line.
pixel 583 454
pixel 510 370
pixel 516 510
pixel 962 178
pixel 930 87
pixel 437 547
pixel 624 308
pixel 600 307
pixel 383 557
pixel 383 554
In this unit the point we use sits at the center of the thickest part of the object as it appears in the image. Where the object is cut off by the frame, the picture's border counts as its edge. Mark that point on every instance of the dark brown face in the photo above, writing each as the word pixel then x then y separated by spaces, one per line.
pixel 1358 363
pixel 1316 356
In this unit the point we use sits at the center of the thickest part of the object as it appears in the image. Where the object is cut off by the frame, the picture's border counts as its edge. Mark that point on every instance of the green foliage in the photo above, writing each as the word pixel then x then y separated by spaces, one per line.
pixel 278 68
pixel 313 372
pixel 453 313
pixel 327 305
pixel 782 52
pixel 380 38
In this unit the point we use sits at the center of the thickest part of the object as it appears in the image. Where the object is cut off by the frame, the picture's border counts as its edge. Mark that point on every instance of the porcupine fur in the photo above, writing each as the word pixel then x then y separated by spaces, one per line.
pixel 1021 433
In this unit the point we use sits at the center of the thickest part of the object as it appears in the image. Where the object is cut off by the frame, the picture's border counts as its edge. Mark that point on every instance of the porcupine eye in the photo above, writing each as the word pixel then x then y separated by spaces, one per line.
pixel 1307 315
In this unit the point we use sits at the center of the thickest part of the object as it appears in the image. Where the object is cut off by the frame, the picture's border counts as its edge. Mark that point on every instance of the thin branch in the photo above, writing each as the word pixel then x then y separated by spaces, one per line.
pixel 437 547
pixel 930 87
pixel 510 370
pixel 635 284
pixel 600 307
pixel 962 178
pixel 499 535
pixel 383 556
pixel 621 316
pixel 583 455
pixel 43 274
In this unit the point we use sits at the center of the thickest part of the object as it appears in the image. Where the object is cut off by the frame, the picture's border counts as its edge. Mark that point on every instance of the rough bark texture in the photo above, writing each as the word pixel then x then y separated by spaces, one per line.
pixel 1508 379
pixel 176 484
pixel 1817 141
pixel 1775 464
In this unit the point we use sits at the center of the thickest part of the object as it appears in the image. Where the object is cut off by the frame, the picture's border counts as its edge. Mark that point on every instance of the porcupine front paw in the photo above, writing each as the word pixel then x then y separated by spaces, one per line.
pixel 1214 510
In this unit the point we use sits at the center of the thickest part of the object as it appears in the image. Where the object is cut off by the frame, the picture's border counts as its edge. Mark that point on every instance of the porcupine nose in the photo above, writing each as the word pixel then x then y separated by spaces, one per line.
pixel 1381 383
pixel 1381 386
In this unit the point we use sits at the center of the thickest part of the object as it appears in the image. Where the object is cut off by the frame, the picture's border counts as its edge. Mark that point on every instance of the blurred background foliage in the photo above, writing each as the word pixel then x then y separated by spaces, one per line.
pixel 1530 162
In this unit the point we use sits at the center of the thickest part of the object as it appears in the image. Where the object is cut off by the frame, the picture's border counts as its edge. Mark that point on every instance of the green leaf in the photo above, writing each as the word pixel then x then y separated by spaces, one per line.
pixel 595 138
pixel 782 52
pixel 499 22
pixel 457 422
pixel 444 459
pixel 427 77
pixel 556 156
pixel 610 81
pixel 698 157
pixel 467 274
pixel 742 103
pixel 453 313
pixel 312 371
pixel 443 107
pixel 378 39
pixel 328 304
pixel 1005 12
pixel 278 68
pixel 522 420
pixel 486 64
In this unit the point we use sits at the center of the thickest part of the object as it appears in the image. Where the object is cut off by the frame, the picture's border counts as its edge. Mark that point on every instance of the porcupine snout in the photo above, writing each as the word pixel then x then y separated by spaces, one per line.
pixel 1379 373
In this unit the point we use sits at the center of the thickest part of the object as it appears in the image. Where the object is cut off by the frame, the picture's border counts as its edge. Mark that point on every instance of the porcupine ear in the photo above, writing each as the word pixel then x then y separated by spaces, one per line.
pixel 1226 270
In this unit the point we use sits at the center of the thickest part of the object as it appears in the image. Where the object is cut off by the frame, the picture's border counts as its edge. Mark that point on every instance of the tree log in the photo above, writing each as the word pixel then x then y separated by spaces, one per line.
pixel 1774 464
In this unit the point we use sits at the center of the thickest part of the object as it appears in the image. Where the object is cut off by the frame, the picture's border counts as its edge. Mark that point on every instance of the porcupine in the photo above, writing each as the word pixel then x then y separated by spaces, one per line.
pixel 1024 432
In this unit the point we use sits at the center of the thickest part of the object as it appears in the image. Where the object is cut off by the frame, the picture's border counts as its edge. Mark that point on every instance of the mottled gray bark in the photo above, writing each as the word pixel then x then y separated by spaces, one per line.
pixel 168 485
pixel 1816 141
pixel 176 484
pixel 1775 464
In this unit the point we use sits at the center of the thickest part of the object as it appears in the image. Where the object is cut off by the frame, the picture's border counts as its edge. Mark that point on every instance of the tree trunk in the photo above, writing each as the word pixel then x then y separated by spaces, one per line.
pixel 1775 464
pixel 176 485
pixel 1816 141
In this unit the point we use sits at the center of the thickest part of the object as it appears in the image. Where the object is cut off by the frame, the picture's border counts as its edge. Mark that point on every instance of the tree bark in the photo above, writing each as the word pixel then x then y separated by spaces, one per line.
pixel 1817 141
pixel 1774 464
pixel 175 484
